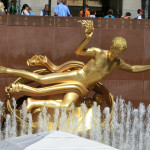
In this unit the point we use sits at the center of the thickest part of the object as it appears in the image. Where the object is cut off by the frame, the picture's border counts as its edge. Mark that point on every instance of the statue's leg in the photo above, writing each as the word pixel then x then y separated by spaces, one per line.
pixel 43 79
pixel 67 100
pixel 48 90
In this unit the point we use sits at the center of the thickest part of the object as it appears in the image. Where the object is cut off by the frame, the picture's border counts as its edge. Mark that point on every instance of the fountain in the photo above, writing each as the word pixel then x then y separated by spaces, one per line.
pixel 127 128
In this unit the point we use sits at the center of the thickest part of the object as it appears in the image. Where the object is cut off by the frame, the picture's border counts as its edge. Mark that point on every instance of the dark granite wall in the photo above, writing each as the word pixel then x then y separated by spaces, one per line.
pixel 22 37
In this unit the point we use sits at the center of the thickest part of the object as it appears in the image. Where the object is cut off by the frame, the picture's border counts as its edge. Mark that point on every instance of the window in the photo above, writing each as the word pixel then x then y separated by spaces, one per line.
pixel 89 2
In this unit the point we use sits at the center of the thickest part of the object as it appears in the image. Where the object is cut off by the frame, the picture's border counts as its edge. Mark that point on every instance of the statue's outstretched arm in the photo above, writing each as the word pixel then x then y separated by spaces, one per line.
pixel 89 29
pixel 135 68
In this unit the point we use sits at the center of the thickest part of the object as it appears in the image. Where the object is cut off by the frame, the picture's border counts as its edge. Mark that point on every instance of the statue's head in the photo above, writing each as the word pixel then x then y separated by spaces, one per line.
pixel 117 47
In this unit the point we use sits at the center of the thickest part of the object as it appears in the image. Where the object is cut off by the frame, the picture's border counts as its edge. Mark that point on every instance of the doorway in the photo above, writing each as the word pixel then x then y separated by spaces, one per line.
pixel 115 5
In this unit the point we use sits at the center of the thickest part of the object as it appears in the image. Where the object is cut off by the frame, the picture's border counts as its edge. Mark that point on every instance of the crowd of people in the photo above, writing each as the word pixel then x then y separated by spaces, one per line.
pixel 62 10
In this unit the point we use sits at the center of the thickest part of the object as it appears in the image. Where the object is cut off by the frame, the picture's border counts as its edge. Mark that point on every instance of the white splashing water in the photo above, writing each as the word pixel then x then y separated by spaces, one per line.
pixel 115 124
pixel 75 131
pixel 40 123
pixel 93 121
pixel 134 130
pixel 122 117
pixel 107 126
pixel 45 122
pixel 147 132
pixel 14 122
pixel 83 107
pixel 1 105
pixel 98 137
pixel 29 116
pixel 62 120
pixel 141 125
pixel 24 117
pixel 128 125
pixel 56 115
pixel 71 111
pixel 7 126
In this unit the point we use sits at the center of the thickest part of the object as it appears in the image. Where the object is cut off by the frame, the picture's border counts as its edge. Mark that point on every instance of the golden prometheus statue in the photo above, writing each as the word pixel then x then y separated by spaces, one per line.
pixel 60 86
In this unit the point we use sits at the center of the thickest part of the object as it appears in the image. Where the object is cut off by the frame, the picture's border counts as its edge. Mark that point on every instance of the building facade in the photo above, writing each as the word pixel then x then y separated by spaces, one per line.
pixel 120 7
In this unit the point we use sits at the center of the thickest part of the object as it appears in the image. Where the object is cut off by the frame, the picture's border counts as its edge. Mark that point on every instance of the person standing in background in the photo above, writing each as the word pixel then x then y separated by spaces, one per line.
pixel 12 9
pixel 61 10
pixel 24 10
pixel 110 14
pixel 56 7
pixel 45 11
pixel 140 13
pixel 127 15
pixel 92 14
pixel 1 8
pixel 67 8
pixel 30 11
pixel 87 12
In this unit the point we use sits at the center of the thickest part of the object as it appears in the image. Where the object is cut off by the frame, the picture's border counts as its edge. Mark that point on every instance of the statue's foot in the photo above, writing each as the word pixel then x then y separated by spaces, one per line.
pixel 14 88
pixel 3 69
pixel 29 105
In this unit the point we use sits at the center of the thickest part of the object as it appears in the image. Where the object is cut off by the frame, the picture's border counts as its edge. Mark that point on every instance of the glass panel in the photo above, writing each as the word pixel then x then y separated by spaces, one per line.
pixel 88 2
pixel 94 2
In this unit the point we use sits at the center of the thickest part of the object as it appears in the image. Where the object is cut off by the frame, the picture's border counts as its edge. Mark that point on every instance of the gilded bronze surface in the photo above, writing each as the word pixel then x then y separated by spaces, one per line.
pixel 71 81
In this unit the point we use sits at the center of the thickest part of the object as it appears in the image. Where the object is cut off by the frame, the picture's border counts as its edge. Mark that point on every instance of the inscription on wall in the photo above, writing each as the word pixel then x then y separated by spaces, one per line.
pixel 72 22
pixel 3 20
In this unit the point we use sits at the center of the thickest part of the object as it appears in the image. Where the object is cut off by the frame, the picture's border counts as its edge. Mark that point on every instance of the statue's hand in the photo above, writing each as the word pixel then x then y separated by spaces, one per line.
pixel 88 25
pixel 37 60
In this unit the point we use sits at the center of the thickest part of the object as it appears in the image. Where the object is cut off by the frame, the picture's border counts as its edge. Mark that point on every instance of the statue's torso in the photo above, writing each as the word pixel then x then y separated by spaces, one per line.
pixel 97 68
